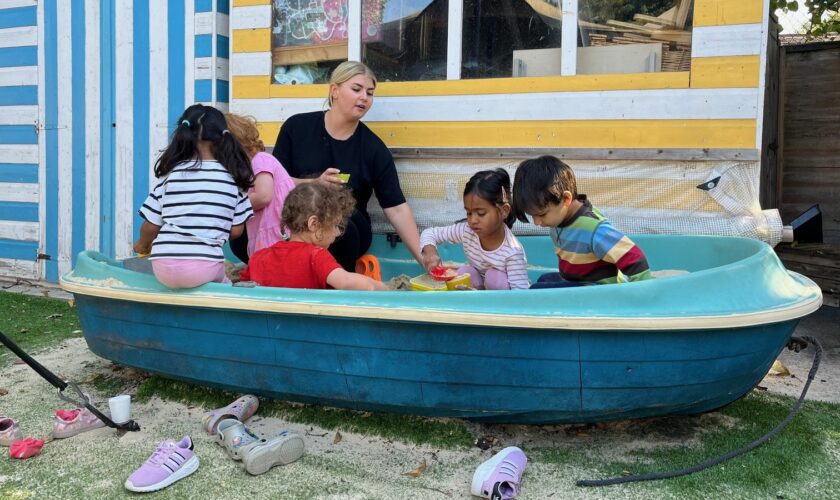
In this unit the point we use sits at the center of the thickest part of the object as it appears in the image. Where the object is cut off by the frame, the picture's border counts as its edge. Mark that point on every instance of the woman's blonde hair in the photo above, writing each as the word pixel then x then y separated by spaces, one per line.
pixel 346 71
pixel 332 206
pixel 244 129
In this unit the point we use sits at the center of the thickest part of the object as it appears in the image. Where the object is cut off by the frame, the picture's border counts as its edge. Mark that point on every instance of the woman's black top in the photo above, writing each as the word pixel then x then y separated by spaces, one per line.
pixel 305 150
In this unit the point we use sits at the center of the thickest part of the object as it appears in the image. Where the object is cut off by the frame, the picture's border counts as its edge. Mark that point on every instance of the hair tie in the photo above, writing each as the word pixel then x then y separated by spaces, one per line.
pixel 186 122
pixel 225 131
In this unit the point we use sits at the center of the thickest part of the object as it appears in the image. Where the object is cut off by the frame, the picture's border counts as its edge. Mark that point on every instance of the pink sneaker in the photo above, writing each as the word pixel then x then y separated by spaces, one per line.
pixel 242 409
pixel 68 423
pixel 170 462
pixel 498 478
pixel 9 431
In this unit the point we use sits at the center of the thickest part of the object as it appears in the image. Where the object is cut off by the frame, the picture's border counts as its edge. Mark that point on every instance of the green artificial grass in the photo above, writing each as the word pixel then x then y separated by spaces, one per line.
pixel 35 323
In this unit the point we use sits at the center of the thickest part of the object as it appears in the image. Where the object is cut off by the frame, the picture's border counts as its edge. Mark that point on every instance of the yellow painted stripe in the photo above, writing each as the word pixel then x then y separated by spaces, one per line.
pixel 721 12
pixel 580 83
pixel 717 134
pixel 251 87
pixel 252 40
pixel 663 194
pixel 725 72
pixel 247 3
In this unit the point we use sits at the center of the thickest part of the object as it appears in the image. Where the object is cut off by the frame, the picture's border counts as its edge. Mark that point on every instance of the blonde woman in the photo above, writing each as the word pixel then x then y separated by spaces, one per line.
pixel 314 147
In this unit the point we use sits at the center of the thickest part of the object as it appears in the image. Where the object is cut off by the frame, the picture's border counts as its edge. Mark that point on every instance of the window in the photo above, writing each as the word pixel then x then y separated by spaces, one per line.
pixel 309 39
pixel 405 40
pixel 496 32
pixel 408 40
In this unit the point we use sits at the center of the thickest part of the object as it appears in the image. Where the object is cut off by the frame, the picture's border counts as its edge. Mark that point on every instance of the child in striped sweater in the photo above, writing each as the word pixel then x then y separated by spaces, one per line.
pixel 496 260
pixel 589 248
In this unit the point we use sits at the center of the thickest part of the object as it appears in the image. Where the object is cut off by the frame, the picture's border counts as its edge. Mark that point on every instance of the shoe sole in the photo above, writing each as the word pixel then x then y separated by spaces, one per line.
pixel 484 470
pixel 211 419
pixel 62 435
pixel 188 468
pixel 282 451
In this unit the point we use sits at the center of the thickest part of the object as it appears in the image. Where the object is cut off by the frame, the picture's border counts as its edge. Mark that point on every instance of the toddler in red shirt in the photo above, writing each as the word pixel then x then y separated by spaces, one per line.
pixel 315 216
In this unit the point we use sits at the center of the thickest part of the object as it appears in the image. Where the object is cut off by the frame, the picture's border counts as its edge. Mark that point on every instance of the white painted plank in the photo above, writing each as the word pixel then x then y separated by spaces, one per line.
pixel 731 40
pixel 158 89
pixel 27 269
pixel 453 39
pixel 64 73
pixel 18 75
pixel 15 230
pixel 18 37
pixel 19 192
pixel 222 24
pixel 258 16
pixel 18 115
pixel 92 125
pixel 19 153
pixel 354 30
pixel 124 175
pixel 568 38
pixel 11 4
pixel 189 52
pixel 204 68
pixel 250 63
pixel 688 104
pixel 204 23
pixel 41 149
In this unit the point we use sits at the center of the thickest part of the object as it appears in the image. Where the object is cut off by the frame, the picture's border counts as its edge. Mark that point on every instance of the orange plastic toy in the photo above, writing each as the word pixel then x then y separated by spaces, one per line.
pixel 369 266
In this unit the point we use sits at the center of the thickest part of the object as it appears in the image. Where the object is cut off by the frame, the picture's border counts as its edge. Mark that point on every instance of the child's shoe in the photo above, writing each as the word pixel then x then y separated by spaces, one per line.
pixel 234 437
pixel 242 409
pixel 169 463
pixel 9 431
pixel 258 454
pixel 282 449
pixel 498 478
pixel 68 423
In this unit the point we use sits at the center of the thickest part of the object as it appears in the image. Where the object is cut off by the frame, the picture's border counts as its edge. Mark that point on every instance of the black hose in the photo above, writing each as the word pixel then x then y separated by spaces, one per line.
pixel 61 385
pixel 732 454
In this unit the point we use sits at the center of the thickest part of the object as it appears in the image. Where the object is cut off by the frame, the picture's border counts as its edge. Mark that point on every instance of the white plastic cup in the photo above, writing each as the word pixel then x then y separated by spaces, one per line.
pixel 120 408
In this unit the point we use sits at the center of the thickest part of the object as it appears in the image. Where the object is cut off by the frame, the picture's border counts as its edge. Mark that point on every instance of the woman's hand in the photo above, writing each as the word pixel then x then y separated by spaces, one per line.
pixel 329 179
pixel 431 258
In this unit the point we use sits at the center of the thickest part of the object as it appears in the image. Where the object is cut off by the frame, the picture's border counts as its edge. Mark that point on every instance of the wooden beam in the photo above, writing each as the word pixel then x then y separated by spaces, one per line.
pixel 630 26
pixel 681 17
pixel 579 153
pixel 658 21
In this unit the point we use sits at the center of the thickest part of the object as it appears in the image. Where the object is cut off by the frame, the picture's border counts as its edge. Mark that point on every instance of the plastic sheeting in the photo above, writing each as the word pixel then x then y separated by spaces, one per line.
pixel 668 197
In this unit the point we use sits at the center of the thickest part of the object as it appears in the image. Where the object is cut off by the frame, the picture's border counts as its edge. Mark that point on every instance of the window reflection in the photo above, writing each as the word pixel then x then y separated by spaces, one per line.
pixel 309 39
pixel 634 36
pixel 405 39
pixel 501 36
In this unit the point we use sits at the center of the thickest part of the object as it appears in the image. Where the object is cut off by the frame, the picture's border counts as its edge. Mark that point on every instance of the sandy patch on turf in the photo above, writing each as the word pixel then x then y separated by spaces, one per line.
pixel 96 463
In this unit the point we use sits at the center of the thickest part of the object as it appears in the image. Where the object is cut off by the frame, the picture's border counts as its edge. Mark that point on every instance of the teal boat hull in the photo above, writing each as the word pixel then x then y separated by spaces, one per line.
pixel 679 345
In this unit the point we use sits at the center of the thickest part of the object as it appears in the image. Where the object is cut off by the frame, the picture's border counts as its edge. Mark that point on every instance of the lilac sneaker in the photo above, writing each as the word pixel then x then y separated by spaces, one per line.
pixel 68 423
pixel 169 463
pixel 9 431
pixel 498 478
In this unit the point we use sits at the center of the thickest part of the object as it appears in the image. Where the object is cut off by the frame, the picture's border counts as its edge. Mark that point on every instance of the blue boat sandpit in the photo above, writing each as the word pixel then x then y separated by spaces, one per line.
pixel 687 343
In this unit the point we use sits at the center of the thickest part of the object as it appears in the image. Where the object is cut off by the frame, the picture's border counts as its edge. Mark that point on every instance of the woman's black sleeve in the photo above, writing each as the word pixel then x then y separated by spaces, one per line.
pixel 283 147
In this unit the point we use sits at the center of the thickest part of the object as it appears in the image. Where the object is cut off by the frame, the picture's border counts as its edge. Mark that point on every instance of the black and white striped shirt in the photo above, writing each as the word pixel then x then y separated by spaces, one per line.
pixel 195 206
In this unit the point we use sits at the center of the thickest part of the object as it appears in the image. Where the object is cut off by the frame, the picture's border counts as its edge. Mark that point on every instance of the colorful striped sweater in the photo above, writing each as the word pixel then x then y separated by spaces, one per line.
pixel 590 249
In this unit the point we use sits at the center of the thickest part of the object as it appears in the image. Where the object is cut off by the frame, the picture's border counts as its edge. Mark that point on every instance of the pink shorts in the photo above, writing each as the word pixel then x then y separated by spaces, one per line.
pixel 189 273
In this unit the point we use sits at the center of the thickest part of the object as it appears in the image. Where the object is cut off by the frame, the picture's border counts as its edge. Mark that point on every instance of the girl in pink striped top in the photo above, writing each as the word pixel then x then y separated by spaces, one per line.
pixel 495 258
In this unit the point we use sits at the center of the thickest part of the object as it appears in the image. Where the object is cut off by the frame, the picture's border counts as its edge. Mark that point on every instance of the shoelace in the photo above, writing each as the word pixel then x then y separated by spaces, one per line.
pixel 161 453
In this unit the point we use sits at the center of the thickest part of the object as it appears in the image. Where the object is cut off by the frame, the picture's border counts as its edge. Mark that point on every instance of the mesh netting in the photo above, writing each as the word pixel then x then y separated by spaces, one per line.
pixel 668 197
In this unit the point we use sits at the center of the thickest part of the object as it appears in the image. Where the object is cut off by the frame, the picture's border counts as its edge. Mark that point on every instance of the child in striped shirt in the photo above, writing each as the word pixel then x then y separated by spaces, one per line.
pixel 495 258
pixel 589 248
pixel 199 201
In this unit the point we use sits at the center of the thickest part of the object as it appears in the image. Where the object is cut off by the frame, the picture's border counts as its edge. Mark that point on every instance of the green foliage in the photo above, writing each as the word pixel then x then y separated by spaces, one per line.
pixel 824 14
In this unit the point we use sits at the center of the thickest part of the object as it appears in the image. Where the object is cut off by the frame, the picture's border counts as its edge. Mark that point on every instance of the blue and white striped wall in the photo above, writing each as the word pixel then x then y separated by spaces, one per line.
pixel 89 92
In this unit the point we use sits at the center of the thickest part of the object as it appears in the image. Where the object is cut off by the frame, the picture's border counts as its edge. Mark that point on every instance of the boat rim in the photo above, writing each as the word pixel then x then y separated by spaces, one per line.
pixel 441 316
